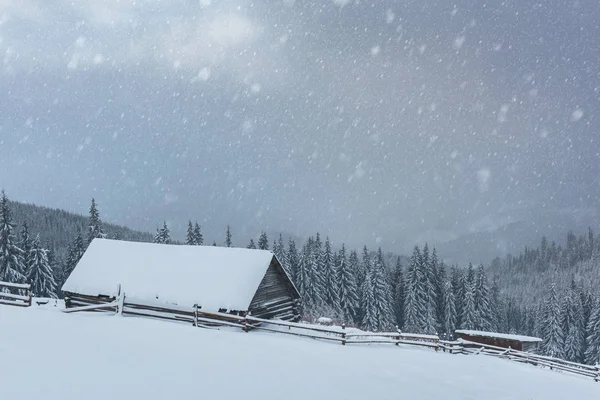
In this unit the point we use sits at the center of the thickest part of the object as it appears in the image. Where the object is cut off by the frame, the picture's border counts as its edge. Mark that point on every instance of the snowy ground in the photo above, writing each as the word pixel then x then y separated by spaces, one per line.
pixel 47 354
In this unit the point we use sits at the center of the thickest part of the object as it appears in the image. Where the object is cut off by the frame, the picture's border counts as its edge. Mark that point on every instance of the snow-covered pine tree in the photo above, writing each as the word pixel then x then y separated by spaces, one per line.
pixel 592 352
pixel 317 277
pixel 198 238
pixel 11 256
pixel 25 244
pixel 228 241
pixel 429 316
pixel 458 286
pixel 263 241
pixel 449 311
pixel 354 266
pixel 439 282
pixel 552 331
pixel 382 293
pixel 40 275
pixel 292 259
pixel 414 300
pixel 331 287
pixel 251 245
pixel 163 235
pixel 572 327
pixel 496 307
pixel 398 293
pixel 361 275
pixel 469 316
pixel 279 250
pixel 482 301
pixel 95 225
pixel 348 294
pixel 190 238
pixel 370 320
pixel 74 254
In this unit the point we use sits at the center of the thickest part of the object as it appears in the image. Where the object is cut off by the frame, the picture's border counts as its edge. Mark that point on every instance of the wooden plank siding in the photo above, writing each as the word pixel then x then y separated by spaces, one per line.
pixel 276 297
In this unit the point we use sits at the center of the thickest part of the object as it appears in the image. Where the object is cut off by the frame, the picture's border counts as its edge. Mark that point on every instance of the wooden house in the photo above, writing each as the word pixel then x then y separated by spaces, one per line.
pixel 515 342
pixel 176 277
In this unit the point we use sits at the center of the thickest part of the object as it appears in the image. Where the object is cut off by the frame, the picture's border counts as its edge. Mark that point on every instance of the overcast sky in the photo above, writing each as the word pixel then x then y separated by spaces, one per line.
pixel 381 122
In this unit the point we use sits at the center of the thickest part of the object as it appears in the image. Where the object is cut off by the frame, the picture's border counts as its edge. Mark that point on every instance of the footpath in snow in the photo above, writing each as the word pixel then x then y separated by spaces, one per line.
pixel 46 354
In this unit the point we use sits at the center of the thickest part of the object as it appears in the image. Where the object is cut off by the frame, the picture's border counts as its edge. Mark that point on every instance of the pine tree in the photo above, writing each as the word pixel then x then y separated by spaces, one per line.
pixel 303 277
pixel 572 327
pixel 592 353
pixel 11 256
pixel 439 284
pixel 163 235
pixel 482 301
pixel 552 332
pixel 382 293
pixel 95 225
pixel 190 238
pixel 429 316
pixel 25 244
pixel 40 275
pixel 370 320
pixel 293 260
pixel 279 250
pixel 458 286
pixel 414 301
pixel 263 241
pixel 74 254
pixel 348 294
pixel 354 267
pixel 198 235
pixel 496 306
pixel 331 293
pixel 449 311
pixel 398 292
pixel 317 275
pixel 251 245
pixel 228 242
pixel 469 316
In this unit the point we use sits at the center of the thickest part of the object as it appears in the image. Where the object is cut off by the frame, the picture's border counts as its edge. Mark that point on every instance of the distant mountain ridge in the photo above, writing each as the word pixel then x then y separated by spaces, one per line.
pixel 57 228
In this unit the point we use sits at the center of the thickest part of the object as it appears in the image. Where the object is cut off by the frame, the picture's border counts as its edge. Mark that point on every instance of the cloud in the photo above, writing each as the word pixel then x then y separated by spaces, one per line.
pixel 87 33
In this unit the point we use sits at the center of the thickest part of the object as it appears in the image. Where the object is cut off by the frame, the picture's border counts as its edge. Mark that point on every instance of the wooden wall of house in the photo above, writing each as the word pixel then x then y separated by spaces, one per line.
pixel 276 297
pixel 498 342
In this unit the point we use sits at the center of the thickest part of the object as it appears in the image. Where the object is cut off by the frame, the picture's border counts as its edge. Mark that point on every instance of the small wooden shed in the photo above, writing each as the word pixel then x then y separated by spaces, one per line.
pixel 216 279
pixel 515 342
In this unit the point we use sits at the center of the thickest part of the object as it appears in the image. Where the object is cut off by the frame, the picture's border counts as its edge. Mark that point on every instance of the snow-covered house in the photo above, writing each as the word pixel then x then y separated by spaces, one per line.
pixel 217 279
pixel 515 342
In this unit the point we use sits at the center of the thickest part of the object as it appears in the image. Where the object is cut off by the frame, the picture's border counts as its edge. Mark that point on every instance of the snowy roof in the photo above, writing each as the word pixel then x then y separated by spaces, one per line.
pixel 213 277
pixel 518 338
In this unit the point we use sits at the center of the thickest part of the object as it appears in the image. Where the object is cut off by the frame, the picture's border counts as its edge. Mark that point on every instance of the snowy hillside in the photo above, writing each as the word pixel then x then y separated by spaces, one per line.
pixel 51 355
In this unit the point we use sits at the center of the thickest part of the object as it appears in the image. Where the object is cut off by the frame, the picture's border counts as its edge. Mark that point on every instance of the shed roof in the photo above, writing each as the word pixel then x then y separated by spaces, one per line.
pixel 212 277
pixel 505 336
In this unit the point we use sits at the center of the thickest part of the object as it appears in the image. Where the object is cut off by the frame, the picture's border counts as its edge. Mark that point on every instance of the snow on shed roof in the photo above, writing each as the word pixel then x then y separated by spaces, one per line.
pixel 213 277
pixel 518 338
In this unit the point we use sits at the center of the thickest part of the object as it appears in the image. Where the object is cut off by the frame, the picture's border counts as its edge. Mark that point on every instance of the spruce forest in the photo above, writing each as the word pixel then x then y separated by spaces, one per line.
pixel 551 292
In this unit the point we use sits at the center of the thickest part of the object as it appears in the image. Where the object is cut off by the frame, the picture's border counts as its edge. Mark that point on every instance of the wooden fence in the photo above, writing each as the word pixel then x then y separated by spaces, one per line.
pixel 15 294
pixel 210 320
pixel 467 347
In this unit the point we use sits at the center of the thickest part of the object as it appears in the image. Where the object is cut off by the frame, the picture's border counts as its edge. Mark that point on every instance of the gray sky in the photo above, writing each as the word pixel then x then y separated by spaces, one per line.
pixel 380 122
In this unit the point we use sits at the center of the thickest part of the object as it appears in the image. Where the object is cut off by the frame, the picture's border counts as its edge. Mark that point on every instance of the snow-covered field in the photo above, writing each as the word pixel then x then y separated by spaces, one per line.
pixel 45 354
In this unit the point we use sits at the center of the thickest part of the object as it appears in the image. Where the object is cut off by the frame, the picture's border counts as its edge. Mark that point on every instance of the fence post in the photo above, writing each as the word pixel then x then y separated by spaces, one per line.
pixel 597 378
pixel 246 328
pixel 118 298
pixel 398 337
pixel 196 314
pixel 343 334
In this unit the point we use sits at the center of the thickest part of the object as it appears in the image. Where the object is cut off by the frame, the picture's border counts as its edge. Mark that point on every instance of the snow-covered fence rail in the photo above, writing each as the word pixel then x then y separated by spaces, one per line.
pixel 467 347
pixel 15 294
